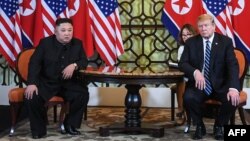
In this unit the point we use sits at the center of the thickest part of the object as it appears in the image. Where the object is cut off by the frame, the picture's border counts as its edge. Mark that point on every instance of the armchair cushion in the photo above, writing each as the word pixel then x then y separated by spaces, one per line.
pixel 243 98
pixel 16 94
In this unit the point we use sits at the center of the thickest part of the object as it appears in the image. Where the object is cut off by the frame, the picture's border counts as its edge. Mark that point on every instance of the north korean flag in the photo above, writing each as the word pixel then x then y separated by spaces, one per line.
pixel 31 22
pixel 240 10
pixel 79 13
pixel 178 12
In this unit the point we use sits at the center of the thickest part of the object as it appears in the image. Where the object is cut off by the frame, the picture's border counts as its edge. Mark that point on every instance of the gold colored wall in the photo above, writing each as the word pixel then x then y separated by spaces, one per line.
pixel 146 41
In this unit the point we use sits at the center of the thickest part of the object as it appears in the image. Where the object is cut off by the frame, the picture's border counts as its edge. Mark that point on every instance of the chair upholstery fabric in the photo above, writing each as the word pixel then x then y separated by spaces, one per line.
pixel 16 94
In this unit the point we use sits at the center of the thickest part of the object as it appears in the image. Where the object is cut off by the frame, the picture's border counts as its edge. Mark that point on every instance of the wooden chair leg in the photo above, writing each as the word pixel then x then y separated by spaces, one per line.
pixel 242 116
pixel 173 105
pixel 55 113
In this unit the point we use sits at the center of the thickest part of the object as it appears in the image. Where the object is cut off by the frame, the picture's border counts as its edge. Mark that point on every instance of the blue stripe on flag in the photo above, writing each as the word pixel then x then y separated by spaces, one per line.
pixel 167 22
pixel 241 46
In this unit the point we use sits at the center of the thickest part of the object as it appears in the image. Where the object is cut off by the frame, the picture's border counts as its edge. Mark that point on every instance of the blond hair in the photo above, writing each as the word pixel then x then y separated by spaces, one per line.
pixel 204 17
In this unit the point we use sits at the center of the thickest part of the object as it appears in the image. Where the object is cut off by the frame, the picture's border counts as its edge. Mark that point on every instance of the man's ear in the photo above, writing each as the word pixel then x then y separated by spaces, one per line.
pixel 55 30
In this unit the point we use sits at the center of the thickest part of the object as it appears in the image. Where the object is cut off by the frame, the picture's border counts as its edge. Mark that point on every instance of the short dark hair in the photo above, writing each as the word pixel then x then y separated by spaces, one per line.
pixel 63 20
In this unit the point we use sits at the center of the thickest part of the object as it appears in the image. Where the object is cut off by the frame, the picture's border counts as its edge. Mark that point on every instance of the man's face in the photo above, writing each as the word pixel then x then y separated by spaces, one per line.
pixel 206 28
pixel 64 33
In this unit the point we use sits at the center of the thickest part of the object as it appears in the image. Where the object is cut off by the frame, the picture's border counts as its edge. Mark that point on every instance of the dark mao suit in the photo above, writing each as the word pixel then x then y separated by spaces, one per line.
pixel 45 71
pixel 223 75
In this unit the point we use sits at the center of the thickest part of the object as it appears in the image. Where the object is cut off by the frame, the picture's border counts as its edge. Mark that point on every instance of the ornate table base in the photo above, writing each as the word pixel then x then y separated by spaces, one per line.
pixel 143 129
pixel 132 123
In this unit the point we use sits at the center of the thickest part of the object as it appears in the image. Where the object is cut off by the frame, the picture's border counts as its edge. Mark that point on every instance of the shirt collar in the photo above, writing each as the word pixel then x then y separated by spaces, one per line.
pixel 60 45
pixel 210 39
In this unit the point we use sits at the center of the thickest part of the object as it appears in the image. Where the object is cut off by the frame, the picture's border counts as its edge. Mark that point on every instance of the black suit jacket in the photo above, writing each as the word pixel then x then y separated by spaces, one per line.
pixel 224 69
pixel 46 65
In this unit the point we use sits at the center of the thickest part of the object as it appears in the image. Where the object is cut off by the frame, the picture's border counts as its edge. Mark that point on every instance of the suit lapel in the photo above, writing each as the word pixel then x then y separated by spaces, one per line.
pixel 201 52
pixel 214 49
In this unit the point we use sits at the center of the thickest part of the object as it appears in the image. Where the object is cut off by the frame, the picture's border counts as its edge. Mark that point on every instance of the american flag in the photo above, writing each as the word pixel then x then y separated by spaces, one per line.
pixel 106 29
pixel 222 15
pixel 51 11
pixel 10 30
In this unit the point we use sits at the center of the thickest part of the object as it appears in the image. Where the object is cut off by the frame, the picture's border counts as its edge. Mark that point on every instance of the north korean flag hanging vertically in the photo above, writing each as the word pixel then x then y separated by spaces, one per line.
pixel 79 13
pixel 179 12
pixel 31 22
pixel 240 10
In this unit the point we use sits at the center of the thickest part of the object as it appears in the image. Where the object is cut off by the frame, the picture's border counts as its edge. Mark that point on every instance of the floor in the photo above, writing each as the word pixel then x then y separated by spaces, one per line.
pixel 103 116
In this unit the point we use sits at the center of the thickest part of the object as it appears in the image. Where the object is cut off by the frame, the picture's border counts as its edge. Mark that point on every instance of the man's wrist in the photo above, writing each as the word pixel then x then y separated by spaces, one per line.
pixel 233 89
pixel 195 71
pixel 75 65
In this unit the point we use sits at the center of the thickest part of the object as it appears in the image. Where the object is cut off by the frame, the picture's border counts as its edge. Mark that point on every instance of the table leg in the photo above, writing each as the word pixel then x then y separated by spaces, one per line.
pixel 132 123
pixel 172 106
pixel 133 104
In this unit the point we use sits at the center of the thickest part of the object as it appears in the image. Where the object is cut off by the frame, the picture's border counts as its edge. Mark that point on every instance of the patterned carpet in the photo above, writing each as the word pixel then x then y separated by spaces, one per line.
pixel 102 116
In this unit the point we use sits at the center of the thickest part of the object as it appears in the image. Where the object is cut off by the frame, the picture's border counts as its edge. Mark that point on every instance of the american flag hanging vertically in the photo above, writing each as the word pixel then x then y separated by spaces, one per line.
pixel 51 11
pixel 10 30
pixel 106 29
pixel 221 12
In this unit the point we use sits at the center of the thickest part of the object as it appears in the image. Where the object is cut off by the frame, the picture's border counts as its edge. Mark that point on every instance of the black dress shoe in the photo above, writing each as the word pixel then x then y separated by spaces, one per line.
pixel 72 131
pixel 38 136
pixel 218 133
pixel 63 131
pixel 199 132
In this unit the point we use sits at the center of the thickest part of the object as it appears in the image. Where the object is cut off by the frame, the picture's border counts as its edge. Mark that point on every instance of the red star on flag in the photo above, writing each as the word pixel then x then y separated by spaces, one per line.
pixel 71 4
pixel 234 5
pixel 26 5
pixel 182 4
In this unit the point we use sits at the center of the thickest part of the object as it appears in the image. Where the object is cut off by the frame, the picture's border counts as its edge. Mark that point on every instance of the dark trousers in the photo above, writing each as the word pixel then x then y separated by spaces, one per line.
pixel 194 100
pixel 37 111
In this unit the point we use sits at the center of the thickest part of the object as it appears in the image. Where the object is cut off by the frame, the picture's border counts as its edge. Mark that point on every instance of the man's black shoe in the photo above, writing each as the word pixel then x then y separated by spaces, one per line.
pixel 218 133
pixel 38 136
pixel 63 131
pixel 199 132
pixel 72 131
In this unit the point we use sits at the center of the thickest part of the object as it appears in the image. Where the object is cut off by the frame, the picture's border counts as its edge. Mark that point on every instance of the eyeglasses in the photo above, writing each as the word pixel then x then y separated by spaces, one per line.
pixel 186 35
